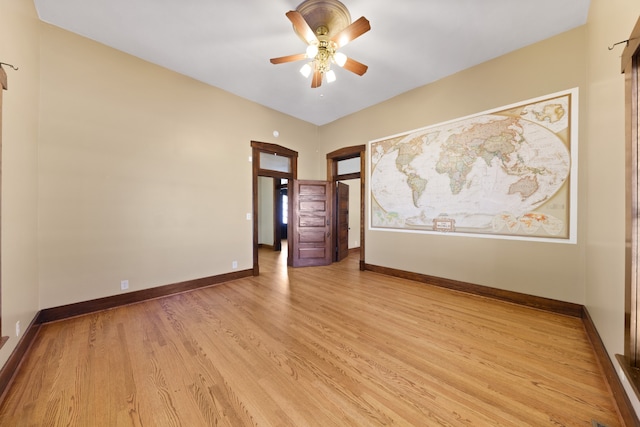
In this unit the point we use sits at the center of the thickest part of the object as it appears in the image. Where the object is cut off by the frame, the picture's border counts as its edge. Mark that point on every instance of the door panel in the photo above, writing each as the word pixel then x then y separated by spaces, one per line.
pixel 311 223
pixel 342 221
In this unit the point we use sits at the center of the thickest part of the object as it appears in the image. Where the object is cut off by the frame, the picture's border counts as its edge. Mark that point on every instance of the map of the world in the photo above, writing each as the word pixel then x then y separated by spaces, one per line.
pixel 503 173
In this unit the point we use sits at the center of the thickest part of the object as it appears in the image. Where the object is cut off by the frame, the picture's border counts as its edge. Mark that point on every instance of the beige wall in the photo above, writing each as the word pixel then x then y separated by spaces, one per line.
pixel 143 173
pixel 19 46
pixel 546 269
pixel 265 210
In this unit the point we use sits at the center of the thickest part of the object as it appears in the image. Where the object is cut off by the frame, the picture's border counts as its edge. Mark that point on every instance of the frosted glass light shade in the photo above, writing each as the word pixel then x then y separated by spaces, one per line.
pixel 331 76
pixel 340 58
pixel 305 70
pixel 312 51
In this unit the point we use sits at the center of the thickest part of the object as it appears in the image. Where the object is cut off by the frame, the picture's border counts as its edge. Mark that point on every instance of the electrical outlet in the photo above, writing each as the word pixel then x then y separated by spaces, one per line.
pixel 249 217
pixel 124 285
pixel 234 264
pixel 18 328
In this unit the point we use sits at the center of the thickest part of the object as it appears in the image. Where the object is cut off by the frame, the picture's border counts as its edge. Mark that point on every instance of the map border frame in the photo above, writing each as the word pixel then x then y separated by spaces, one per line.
pixel 573 127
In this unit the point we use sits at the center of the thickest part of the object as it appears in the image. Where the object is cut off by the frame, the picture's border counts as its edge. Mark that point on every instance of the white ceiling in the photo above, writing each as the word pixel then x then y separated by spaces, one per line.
pixel 228 43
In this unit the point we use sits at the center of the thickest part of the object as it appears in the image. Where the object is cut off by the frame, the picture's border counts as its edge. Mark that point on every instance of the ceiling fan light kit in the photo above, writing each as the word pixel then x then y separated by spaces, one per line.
pixel 325 25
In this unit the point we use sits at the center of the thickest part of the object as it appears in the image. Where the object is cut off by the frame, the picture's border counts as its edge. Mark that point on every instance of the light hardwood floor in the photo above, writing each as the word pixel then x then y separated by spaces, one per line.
pixel 320 346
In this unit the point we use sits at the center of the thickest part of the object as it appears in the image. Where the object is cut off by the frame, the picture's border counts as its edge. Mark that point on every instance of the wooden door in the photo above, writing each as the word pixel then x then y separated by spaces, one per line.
pixel 311 223
pixel 342 221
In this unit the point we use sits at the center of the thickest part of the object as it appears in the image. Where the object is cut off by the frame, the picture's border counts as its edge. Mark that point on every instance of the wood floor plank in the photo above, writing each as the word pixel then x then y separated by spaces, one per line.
pixel 320 346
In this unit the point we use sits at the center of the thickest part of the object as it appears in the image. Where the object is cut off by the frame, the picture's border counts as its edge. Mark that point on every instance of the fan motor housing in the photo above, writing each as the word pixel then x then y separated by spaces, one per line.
pixel 330 14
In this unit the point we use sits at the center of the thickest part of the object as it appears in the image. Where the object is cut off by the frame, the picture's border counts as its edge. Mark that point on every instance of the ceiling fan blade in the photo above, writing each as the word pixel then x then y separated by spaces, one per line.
pixel 355 67
pixel 288 58
pixel 316 80
pixel 353 31
pixel 301 26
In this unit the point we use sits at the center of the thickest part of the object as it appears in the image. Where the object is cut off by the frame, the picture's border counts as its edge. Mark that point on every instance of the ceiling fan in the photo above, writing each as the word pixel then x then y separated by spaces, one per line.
pixel 325 26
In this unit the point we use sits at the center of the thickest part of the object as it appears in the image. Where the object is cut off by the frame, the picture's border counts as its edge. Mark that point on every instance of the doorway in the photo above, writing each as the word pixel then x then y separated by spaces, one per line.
pixel 280 163
pixel 276 162
pixel 348 164
pixel 272 212
pixel 281 212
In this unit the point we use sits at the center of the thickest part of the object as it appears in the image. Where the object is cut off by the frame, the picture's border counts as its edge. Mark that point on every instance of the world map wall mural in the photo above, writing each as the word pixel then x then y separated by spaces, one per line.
pixel 506 173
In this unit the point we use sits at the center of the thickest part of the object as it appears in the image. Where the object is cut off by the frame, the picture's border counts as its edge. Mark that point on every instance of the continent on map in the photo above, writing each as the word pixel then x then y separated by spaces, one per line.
pixel 495 139
pixel 551 112
pixel 417 185
pixel 407 152
pixel 526 186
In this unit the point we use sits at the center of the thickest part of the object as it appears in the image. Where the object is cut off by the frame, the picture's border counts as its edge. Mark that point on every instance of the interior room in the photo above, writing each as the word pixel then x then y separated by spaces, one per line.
pixel 130 181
